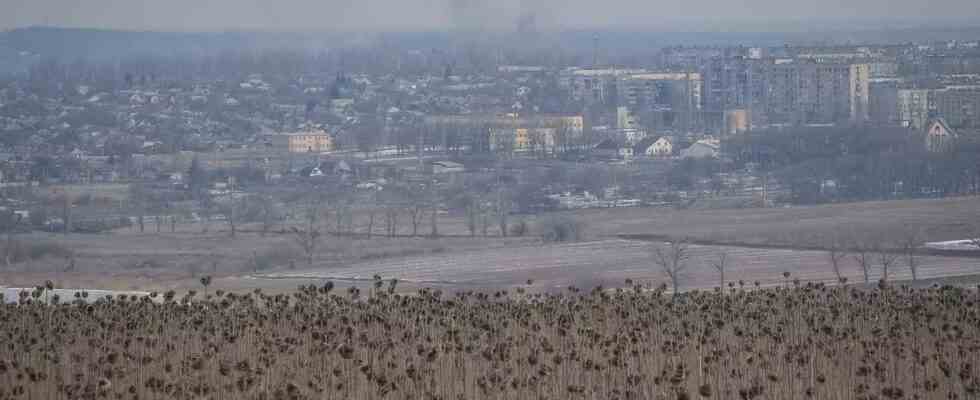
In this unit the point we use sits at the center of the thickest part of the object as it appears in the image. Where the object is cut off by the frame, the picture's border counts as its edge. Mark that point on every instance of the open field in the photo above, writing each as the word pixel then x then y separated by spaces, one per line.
pixel 131 261
pixel 939 220
pixel 610 262
pixel 127 260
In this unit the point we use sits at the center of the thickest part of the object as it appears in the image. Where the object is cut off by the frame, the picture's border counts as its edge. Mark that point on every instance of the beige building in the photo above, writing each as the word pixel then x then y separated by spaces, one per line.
pixel 625 118
pixel 520 140
pixel 575 123
pixel 592 85
pixel 736 121
pixel 913 107
pixel 806 92
pixel 314 141
pixel 676 89
pixel 515 133
pixel 959 106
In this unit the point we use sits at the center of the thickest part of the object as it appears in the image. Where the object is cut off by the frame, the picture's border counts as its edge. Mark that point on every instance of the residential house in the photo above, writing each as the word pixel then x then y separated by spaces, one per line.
pixel 705 148
pixel 447 167
pixel 612 148
pixel 939 136
pixel 341 106
pixel 654 146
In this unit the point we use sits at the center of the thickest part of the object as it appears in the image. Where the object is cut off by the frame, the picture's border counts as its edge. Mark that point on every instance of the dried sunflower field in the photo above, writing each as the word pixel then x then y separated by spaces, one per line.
pixel 794 342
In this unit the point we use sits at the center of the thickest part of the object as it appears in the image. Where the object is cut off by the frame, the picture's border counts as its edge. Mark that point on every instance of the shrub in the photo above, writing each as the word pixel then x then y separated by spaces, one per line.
pixel 101 225
pixel 518 229
pixel 47 249
pixel 269 259
pixel 38 217
pixel 19 251
pixel 562 229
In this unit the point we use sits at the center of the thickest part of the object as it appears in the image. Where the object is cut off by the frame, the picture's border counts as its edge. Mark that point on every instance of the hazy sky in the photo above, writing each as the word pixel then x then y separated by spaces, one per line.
pixel 194 15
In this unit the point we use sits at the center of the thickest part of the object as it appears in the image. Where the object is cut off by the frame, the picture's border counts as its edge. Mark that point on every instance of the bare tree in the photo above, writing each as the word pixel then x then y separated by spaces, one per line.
pixel 231 213
pixel 862 255
pixel 886 258
pixel 138 198
pixel 9 221
pixel 268 209
pixel 504 206
pixel 720 265
pixel 911 241
pixel 434 220
pixel 342 216
pixel 672 258
pixel 370 225
pixel 484 221
pixel 836 253
pixel 472 216
pixel 70 258
pixel 391 221
pixel 309 237
pixel 416 213
pixel 67 213
pixel 205 204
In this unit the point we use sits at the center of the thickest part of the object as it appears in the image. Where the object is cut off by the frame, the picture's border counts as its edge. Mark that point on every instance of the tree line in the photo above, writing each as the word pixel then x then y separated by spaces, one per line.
pixel 820 165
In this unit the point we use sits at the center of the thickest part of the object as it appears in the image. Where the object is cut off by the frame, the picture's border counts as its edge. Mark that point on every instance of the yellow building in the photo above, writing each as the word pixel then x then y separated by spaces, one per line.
pixel 515 133
pixel 538 140
pixel 301 142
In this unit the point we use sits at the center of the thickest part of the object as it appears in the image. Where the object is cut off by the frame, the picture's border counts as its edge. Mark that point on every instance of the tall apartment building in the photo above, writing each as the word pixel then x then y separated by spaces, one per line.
pixel 913 108
pixel 883 69
pixel 883 107
pixel 958 105
pixel 593 85
pixel 735 83
pixel 679 94
pixel 726 84
pixel 805 92
pixel 677 90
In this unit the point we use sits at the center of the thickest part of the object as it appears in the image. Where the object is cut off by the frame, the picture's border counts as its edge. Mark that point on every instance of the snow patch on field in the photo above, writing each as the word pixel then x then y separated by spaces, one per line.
pixel 961 245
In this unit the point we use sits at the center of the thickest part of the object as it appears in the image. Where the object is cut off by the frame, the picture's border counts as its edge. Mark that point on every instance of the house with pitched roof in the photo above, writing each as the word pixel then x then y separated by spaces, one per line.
pixel 939 136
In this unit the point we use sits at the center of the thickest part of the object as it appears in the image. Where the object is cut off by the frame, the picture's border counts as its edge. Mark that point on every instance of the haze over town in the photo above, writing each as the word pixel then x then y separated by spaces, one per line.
pixel 292 15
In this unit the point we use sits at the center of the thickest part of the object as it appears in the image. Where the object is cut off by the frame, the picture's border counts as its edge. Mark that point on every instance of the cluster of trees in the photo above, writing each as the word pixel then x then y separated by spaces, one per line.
pixel 859 163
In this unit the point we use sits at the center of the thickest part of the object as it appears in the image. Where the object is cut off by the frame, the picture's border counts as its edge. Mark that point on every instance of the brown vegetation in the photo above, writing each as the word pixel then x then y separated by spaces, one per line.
pixel 805 341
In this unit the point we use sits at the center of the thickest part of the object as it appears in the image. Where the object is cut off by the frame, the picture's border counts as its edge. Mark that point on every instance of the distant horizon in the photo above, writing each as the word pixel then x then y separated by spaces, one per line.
pixel 672 25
